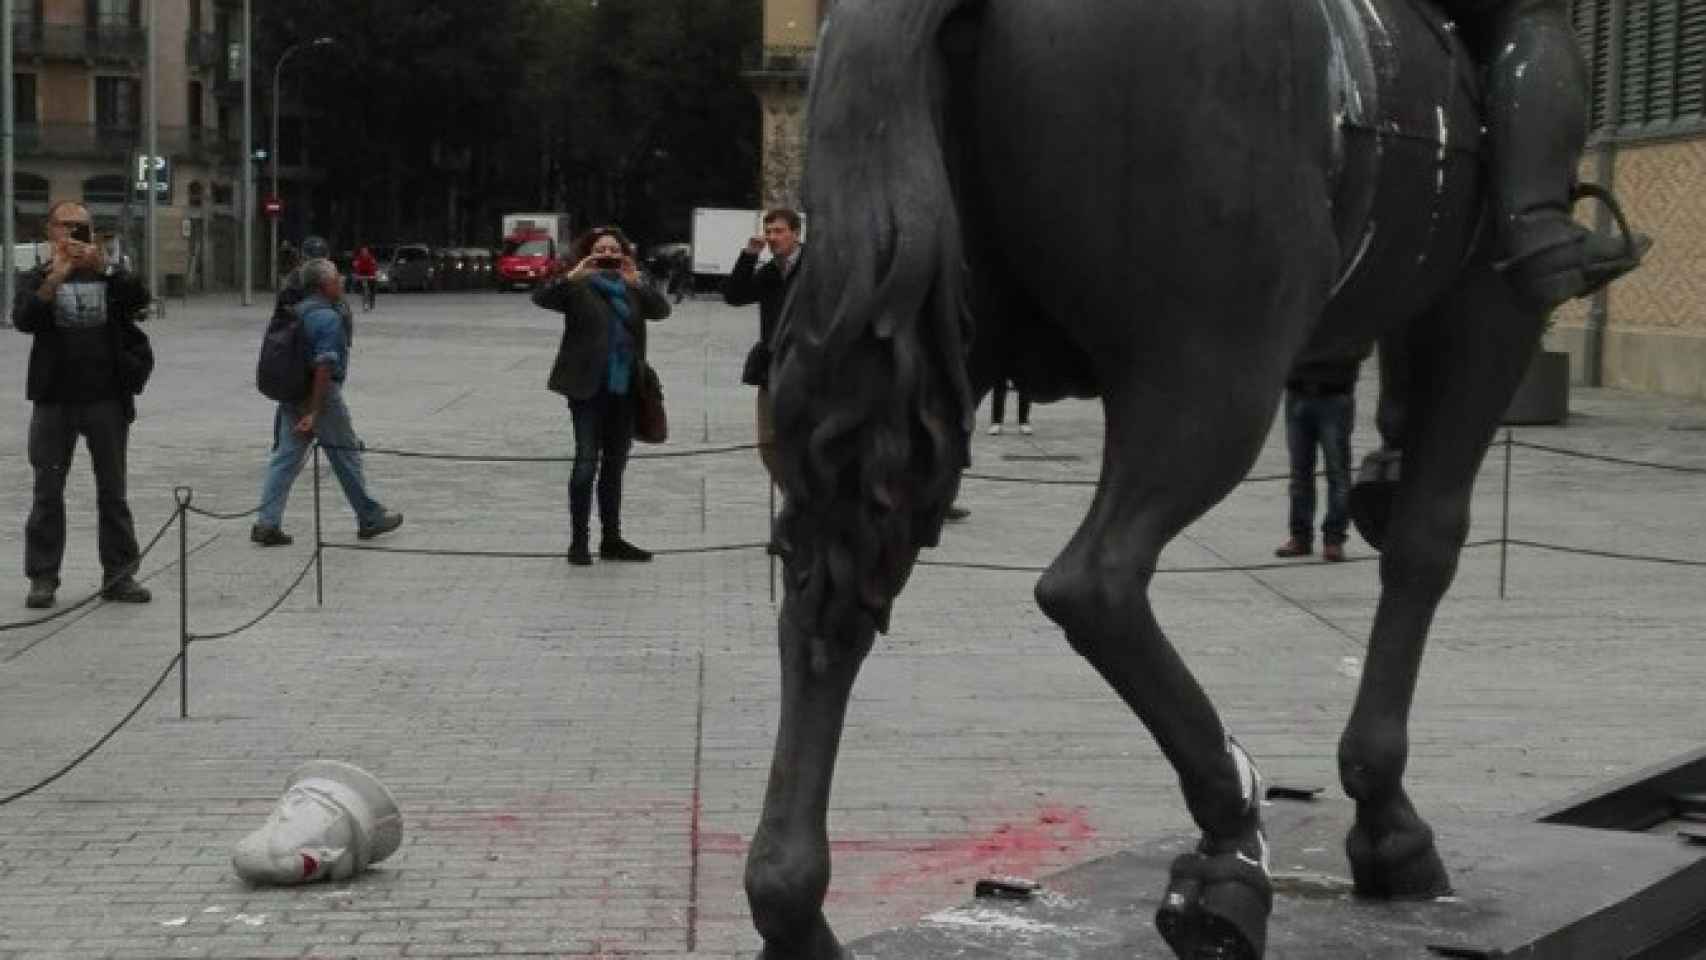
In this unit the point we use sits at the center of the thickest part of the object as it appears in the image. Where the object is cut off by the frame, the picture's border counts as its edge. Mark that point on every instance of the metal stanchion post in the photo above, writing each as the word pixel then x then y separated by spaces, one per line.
pixel 183 495
pixel 772 539
pixel 1505 521
pixel 702 503
pixel 319 541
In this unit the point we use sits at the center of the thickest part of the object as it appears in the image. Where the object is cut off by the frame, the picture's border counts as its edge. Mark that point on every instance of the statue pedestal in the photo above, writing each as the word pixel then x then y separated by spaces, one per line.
pixel 1522 889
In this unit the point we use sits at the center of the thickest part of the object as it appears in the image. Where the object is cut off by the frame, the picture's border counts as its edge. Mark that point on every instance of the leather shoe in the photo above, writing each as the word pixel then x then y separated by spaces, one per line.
pixel 41 593
pixel 579 553
pixel 956 514
pixel 269 536
pixel 616 548
pixel 1294 548
pixel 388 522
pixel 126 590
pixel 1333 552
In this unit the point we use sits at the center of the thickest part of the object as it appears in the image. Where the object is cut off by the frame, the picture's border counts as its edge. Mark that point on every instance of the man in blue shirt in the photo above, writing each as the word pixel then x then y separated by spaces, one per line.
pixel 322 415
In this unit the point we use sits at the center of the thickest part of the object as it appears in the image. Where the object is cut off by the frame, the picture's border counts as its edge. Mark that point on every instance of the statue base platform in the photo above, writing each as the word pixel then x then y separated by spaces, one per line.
pixel 1522 889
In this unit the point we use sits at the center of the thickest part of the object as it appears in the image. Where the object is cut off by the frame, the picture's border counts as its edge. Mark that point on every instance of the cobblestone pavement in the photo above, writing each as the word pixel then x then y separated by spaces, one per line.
pixel 580 754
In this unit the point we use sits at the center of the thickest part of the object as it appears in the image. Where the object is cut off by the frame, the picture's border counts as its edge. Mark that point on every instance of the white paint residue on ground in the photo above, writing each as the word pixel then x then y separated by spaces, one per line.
pixel 1054 900
pixel 213 909
pixel 1350 667
pixel 175 921
pixel 250 919
pixel 988 919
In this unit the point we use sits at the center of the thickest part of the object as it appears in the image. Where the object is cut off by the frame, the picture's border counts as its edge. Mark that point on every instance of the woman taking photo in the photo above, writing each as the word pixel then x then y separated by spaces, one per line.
pixel 605 305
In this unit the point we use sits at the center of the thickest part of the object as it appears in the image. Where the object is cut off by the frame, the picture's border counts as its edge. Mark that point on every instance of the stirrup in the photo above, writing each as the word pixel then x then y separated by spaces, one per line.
pixel 1585 191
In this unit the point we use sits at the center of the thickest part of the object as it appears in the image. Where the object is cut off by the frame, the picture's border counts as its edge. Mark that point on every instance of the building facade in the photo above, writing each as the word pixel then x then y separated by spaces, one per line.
pixel 778 75
pixel 78 81
pixel 1648 62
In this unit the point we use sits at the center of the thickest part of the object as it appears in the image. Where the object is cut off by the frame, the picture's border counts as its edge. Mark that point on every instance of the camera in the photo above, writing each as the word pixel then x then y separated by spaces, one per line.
pixel 82 233
pixel 607 263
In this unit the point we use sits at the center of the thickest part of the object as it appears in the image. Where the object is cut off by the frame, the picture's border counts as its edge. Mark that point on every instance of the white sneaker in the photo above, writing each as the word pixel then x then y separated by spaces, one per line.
pixel 995 429
pixel 1025 429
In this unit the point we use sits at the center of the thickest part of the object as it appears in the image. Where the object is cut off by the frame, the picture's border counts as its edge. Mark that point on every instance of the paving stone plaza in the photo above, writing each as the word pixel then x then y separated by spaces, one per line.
pixel 580 753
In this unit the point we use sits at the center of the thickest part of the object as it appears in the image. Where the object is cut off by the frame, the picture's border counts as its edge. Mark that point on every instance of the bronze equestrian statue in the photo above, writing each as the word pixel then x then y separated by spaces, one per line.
pixel 1164 204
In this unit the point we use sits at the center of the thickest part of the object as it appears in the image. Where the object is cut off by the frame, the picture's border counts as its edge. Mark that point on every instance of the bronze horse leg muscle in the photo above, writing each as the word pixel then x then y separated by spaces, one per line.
pixel 1459 366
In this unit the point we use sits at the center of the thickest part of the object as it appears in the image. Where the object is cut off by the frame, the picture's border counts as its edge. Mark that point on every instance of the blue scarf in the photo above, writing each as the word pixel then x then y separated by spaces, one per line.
pixel 619 370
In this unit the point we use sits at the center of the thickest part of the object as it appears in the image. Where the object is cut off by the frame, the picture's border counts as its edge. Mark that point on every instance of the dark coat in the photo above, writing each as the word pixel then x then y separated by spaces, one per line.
pixel 766 286
pixel 584 351
pixel 127 302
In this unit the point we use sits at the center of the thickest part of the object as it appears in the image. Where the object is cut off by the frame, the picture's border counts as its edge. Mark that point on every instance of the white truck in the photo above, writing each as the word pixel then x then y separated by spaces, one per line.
pixel 534 247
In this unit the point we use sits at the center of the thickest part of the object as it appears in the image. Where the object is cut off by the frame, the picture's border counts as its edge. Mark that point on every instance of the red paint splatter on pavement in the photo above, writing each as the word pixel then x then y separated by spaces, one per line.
pixel 1041 844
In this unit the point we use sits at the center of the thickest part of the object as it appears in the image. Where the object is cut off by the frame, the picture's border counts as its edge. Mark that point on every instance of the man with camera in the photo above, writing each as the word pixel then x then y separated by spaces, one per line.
pixel 768 287
pixel 87 364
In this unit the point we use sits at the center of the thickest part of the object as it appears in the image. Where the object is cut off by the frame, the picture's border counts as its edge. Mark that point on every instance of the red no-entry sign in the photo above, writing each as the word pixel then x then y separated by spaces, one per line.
pixel 272 206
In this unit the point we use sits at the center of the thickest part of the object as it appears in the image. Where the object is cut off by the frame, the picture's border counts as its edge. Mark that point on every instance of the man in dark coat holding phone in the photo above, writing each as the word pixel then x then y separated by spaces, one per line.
pixel 768 287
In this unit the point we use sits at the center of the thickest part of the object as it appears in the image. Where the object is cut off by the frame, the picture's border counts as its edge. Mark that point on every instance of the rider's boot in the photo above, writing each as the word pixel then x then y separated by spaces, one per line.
pixel 1537 124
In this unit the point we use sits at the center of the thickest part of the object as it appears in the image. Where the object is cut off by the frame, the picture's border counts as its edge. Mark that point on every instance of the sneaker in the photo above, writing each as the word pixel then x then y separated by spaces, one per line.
pixel 1333 552
pixel 269 536
pixel 995 429
pixel 616 548
pixel 955 514
pixel 1025 429
pixel 1294 548
pixel 388 522
pixel 41 593
pixel 126 590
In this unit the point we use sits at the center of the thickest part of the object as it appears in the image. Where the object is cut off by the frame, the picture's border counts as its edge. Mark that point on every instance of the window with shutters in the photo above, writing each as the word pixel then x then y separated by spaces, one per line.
pixel 1592 20
pixel 1662 46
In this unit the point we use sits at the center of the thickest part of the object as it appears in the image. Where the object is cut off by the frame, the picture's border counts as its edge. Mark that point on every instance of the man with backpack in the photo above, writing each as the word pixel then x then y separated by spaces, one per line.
pixel 304 359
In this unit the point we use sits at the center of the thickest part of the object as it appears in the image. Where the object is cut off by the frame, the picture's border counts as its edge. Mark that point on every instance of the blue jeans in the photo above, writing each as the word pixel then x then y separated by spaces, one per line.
pixel 334 430
pixel 1324 421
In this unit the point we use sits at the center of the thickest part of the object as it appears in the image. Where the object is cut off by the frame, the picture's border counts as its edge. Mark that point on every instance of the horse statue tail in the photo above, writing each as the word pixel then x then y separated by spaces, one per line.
pixel 870 394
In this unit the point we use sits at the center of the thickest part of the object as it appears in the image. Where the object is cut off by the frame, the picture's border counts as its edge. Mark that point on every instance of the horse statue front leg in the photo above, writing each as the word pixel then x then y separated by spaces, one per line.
pixel 787 867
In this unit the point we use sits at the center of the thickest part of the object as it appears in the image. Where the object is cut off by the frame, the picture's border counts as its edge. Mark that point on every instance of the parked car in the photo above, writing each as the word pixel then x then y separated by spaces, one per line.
pixel 480 268
pixel 410 268
pixel 449 268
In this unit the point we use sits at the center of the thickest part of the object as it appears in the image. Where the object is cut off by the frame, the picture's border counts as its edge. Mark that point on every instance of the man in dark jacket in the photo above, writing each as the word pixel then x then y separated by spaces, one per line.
pixel 1320 404
pixel 86 365
pixel 768 287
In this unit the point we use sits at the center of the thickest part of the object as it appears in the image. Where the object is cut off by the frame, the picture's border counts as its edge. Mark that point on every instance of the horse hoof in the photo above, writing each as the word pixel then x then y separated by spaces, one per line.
pixel 1215 908
pixel 1397 866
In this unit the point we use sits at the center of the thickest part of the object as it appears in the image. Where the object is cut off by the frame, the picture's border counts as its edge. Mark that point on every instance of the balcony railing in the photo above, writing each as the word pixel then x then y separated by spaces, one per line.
pixel 97 44
pixel 778 62
pixel 94 141
pixel 202 51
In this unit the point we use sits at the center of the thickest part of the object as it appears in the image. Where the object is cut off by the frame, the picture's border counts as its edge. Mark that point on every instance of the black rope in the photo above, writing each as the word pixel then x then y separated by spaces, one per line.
pixel 1563 452
pixel 224 634
pixel 1231 568
pixel 1607 554
pixel 252 511
pixel 503 458
pixel 62 771
pixel 91 598
pixel 531 554
pixel 1061 482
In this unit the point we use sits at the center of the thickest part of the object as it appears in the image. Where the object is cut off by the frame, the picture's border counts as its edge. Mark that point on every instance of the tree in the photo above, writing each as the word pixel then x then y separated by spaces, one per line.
pixel 429 120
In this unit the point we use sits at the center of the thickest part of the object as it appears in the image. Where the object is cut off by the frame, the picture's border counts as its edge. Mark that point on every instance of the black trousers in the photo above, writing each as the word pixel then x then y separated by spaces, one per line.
pixel 604 433
pixel 54 429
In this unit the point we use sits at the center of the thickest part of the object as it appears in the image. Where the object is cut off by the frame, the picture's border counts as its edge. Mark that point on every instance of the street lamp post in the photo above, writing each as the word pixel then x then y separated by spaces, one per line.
pixel 277 73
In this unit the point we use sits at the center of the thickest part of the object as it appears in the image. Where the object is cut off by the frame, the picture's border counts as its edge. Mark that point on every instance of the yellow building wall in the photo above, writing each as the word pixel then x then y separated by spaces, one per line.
pixel 790 24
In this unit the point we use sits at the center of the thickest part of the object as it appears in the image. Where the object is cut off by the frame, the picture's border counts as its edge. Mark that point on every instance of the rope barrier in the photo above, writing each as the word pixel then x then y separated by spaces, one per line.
pixel 531 554
pixel 1625 461
pixel 226 634
pixel 86 754
pixel 1228 568
pixel 508 458
pixel 1607 554
pixel 93 597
